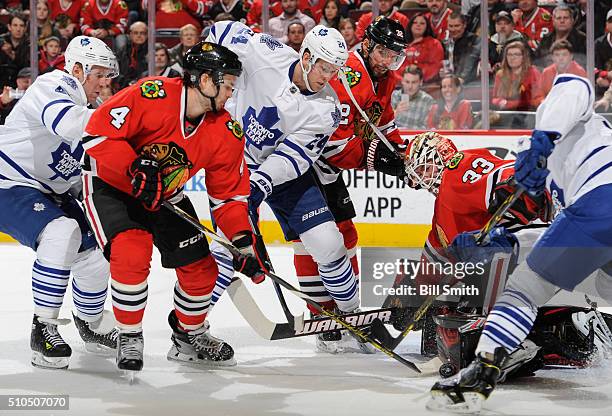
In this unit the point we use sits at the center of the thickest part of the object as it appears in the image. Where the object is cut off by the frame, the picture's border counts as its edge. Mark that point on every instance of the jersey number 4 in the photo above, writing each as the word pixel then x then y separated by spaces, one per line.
pixel 480 167
pixel 118 114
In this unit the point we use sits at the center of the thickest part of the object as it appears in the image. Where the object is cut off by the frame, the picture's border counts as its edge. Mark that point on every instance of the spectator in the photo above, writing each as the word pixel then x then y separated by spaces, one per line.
pixel 235 8
pixel 279 24
pixel 254 14
pixel 162 63
pixel 462 48
pixel 189 37
pixel 331 14
pixel 603 56
pixel 51 56
pixel 347 28
pixel 105 20
pixel 174 14
pixel 411 104
pixel 68 8
pixel 604 103
pixel 9 7
pixel 563 63
pixel 517 84
pixel 504 34
pixel 9 97
pixel 451 112
pixel 438 15
pixel 15 44
pixel 295 35
pixel 473 15
pixel 563 29
pixel 532 21
pixel 386 8
pixel 132 58
pixel 424 50
pixel 45 25
pixel 65 30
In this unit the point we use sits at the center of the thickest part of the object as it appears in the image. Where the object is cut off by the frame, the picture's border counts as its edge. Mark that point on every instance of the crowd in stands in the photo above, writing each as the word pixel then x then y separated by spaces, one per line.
pixel 438 86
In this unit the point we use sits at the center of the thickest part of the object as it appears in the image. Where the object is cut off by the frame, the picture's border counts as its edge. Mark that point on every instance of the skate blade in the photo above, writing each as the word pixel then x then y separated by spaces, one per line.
pixel 99 349
pixel 440 402
pixel 130 376
pixel 49 363
pixel 176 355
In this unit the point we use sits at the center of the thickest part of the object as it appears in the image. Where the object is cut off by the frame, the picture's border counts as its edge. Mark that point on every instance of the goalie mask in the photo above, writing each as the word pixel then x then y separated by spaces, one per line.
pixel 426 157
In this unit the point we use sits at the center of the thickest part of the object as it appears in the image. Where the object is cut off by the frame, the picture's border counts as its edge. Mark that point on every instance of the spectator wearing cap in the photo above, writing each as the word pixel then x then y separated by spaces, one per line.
pixel 411 103
pixel 8 98
pixel 51 56
pixel 462 48
pixel 563 29
pixel 132 58
pixel 504 34
pixel 473 15
pixel 603 56
pixel 188 37
pixel 279 24
pixel 386 8
pixel 563 63
pixel 295 35
pixel 423 50
pixel 15 44
pixel 235 8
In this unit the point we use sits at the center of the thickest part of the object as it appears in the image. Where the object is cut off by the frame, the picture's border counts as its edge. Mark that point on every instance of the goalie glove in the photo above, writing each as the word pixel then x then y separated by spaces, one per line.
pixel 251 261
pixel 382 159
pixel 526 209
pixel 147 185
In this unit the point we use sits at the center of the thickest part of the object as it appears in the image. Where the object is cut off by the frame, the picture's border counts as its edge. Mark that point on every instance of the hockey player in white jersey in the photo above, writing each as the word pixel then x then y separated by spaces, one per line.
pixel 288 112
pixel 40 153
pixel 576 143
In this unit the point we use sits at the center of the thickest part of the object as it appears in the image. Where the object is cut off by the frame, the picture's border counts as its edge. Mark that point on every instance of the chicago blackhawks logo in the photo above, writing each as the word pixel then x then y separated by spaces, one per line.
pixel 352 77
pixel 235 128
pixel 152 89
pixel 362 128
pixel 173 164
pixel 454 162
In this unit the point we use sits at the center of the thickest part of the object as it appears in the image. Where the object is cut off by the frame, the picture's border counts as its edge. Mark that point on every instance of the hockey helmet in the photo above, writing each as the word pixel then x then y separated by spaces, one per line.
pixel 426 157
pixel 89 52
pixel 324 43
pixel 390 34
pixel 210 58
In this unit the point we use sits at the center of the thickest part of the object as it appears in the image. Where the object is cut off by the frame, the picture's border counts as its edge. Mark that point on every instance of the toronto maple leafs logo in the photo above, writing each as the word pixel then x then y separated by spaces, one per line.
pixel 60 90
pixel 258 128
pixel 66 163
pixel 38 206
pixel 85 41
pixel 70 81
pixel 336 117
pixel 270 42
pixel 323 32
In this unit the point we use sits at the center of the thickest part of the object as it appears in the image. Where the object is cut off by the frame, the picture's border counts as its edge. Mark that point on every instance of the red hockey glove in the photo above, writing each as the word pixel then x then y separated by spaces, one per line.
pixel 526 209
pixel 147 183
pixel 251 262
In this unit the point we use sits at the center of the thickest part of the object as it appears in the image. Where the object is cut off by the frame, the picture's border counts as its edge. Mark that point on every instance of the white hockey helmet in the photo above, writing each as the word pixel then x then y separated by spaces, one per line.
pixel 324 43
pixel 89 51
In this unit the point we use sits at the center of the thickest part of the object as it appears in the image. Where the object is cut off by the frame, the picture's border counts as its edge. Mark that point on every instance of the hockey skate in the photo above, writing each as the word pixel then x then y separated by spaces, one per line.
pixel 100 337
pixel 130 347
pixel 198 346
pixel 466 392
pixel 341 341
pixel 49 350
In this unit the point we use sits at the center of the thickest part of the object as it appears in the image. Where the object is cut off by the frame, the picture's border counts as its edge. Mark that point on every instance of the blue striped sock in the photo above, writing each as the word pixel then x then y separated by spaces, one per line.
pixel 340 282
pixel 48 287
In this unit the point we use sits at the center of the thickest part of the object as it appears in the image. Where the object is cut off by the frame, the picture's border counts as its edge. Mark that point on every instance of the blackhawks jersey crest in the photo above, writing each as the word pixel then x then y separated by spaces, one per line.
pixel 173 164
pixel 362 128
pixel 352 77
pixel 235 128
pixel 152 89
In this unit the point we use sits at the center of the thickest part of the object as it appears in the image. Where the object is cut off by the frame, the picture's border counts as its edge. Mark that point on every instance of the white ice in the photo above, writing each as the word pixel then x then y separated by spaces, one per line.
pixel 283 378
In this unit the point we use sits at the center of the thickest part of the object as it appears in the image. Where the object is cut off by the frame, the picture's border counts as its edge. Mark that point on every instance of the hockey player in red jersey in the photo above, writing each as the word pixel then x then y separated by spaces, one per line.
pixel 354 145
pixel 141 147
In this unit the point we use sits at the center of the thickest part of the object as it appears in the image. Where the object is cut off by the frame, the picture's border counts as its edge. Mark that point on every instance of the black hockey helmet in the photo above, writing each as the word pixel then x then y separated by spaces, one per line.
pixel 388 33
pixel 210 58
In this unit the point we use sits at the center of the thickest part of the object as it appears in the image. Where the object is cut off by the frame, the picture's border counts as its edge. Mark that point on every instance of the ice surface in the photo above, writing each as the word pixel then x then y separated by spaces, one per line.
pixel 281 378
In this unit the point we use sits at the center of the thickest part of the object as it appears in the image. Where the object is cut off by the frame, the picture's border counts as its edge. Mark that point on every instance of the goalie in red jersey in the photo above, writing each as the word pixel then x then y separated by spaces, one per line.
pixel 141 146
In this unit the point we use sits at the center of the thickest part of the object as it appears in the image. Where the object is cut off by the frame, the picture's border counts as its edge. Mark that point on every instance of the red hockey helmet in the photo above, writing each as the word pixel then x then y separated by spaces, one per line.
pixel 426 157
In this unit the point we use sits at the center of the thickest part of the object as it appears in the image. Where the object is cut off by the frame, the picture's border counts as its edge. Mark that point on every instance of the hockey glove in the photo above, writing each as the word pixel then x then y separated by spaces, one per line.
pixel 252 260
pixel 499 240
pixel 530 167
pixel 260 190
pixel 147 185
pixel 526 209
pixel 382 159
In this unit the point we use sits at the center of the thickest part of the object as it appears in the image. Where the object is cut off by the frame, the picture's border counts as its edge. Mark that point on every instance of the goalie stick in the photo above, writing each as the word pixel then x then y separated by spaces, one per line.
pixel 356 332
pixel 378 330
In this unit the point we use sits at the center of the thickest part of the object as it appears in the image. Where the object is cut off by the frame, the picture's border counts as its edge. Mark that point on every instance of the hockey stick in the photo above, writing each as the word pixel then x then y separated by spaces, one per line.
pixel 296 322
pixel 378 329
pixel 356 332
